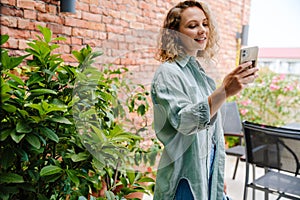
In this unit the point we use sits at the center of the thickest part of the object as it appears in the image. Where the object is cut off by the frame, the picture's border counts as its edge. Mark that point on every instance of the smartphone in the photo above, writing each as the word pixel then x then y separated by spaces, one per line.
pixel 249 54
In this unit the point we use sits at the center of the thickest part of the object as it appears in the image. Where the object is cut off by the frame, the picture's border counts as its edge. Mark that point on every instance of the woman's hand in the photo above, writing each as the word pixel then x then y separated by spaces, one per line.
pixel 235 81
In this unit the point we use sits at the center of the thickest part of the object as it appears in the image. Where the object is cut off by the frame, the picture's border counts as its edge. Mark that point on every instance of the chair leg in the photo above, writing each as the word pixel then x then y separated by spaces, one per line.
pixel 246 181
pixel 235 168
pixel 253 176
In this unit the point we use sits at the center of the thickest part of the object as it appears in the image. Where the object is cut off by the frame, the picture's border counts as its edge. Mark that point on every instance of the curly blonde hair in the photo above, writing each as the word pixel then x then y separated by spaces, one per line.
pixel 169 45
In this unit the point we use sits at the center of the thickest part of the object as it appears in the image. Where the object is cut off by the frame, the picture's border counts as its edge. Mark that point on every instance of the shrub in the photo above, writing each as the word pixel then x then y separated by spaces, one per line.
pixel 42 154
pixel 272 99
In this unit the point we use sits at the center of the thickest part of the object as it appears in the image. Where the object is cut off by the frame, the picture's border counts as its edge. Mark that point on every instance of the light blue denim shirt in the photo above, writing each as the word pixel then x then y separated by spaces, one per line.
pixel 182 122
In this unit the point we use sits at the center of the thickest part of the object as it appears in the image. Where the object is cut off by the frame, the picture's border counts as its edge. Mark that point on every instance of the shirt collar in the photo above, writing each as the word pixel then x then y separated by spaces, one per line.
pixel 182 60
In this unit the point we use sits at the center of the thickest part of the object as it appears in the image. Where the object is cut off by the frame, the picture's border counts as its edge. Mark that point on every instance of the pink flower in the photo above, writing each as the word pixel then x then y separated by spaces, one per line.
pixel 246 103
pixel 244 111
pixel 288 88
pixel 274 87
pixel 282 77
pixel 276 79
pixel 278 102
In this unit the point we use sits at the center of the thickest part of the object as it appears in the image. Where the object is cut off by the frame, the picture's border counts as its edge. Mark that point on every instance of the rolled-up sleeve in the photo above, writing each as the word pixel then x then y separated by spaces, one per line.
pixel 174 97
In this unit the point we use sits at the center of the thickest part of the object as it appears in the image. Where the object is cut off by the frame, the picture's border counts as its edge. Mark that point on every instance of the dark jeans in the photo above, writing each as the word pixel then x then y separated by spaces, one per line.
pixel 183 191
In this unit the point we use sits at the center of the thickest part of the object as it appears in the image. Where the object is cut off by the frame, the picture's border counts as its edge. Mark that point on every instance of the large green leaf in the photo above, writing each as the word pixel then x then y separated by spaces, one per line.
pixel 17 137
pixel 11 178
pixel 16 78
pixel 22 154
pixel 79 157
pixel 9 108
pixel 49 134
pixel 72 175
pixel 8 160
pixel 42 91
pixel 23 127
pixel 47 33
pixel 4 39
pixel 34 78
pixel 4 133
pixel 60 119
pixel 33 140
pixel 50 170
pixel 9 63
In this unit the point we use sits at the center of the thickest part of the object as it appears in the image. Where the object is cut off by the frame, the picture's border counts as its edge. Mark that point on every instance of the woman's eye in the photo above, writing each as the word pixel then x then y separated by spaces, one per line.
pixel 192 26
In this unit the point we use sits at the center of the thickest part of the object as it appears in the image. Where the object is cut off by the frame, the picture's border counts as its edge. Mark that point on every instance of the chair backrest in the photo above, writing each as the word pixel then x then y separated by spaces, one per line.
pixel 272 147
pixel 231 120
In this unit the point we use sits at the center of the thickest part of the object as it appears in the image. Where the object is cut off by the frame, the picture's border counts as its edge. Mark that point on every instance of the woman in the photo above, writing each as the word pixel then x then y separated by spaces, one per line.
pixel 186 103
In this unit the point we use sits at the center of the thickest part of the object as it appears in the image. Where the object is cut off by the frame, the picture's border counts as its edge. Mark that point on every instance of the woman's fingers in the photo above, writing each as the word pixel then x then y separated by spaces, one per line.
pixel 239 78
pixel 242 67
pixel 248 72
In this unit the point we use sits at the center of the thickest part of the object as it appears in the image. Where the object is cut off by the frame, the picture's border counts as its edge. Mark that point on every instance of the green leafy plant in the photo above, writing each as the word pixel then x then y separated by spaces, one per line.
pixel 45 151
pixel 273 99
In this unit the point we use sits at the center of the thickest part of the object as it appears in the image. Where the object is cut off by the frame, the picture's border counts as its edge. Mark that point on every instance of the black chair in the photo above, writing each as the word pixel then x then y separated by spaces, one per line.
pixel 232 126
pixel 277 150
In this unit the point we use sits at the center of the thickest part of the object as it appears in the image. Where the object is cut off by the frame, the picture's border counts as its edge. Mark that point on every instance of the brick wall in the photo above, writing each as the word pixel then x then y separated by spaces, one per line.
pixel 124 29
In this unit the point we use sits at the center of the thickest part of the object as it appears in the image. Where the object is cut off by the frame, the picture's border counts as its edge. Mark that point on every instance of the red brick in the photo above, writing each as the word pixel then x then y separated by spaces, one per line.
pixel 59 29
pixel 92 42
pixel 114 13
pixel 128 16
pixel 107 19
pixel 75 22
pixel 67 40
pixel 132 3
pixel 43 24
pixel 121 22
pixel 116 37
pixel 91 17
pixel 51 9
pixel 96 26
pixel 68 58
pixel 110 44
pixel 28 4
pixel 136 25
pixel 76 47
pixel 96 2
pixel 114 28
pixel 46 17
pixel 26 24
pixel 85 1
pixel 11 44
pixel 23 44
pixel 40 6
pixel 8 21
pixel 63 49
pixel 9 2
pixel 30 14
pixel 11 11
pixel 144 5
pixel 82 32
pixel 82 6
pixel 101 35
pixel 75 40
pixel 15 33
pixel 95 9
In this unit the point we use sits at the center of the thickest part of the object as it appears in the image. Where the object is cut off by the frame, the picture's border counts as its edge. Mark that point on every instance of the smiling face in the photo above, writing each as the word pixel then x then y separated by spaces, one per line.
pixel 194 24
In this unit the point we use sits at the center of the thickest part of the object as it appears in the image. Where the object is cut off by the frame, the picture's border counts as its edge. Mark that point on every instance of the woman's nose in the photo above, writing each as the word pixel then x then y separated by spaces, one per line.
pixel 201 29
